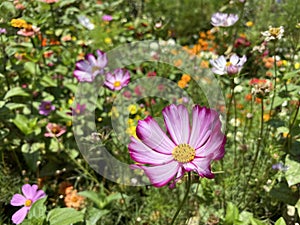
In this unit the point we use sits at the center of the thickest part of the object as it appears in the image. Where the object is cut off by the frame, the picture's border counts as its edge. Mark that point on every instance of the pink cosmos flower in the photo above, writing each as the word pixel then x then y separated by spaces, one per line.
pixel 86 70
pixel 223 19
pixel 30 195
pixel 117 80
pixel 233 66
pixel 187 148
pixel 107 18
pixel 55 130
pixel 79 109
pixel 46 108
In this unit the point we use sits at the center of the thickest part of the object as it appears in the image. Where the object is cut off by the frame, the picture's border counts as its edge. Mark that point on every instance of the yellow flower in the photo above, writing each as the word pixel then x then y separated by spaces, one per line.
pixel 130 122
pixel 249 24
pixel 266 117
pixel 20 23
pixel 131 131
pixel 132 109
pixel 108 41
pixel 297 66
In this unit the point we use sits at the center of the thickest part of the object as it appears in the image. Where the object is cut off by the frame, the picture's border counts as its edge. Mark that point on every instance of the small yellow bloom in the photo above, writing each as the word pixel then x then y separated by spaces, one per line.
pixel 70 101
pixel 20 23
pixel 99 119
pixel 131 131
pixel 132 109
pixel 186 78
pixel 297 66
pixel 182 84
pixel 69 123
pixel 130 122
pixel 108 41
pixel 249 24
pixel 266 117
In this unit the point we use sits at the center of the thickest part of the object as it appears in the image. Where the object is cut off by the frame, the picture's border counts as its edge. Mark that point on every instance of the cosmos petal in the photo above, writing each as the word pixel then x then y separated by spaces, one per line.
pixel 20 215
pixel 17 200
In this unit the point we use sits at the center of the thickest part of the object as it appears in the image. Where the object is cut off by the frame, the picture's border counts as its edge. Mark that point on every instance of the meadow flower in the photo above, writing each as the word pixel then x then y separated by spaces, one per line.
pixel 19 23
pixel 77 110
pixel 86 70
pixel 187 148
pixel 279 166
pixel 3 31
pixel 46 108
pixel 30 195
pixel 117 80
pixel 221 66
pixel 29 31
pixel 85 21
pixel 72 199
pixel 223 19
pixel 107 18
pixel 260 87
pixel 54 130
pixel 273 33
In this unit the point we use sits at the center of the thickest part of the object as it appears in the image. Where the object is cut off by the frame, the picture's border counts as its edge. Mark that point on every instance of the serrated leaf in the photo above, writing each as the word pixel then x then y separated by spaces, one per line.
pixel 292 174
pixel 16 91
pixel 64 216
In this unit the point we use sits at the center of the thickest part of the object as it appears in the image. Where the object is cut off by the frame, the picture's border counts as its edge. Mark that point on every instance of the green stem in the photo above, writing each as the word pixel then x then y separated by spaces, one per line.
pixel 184 199
pixel 257 147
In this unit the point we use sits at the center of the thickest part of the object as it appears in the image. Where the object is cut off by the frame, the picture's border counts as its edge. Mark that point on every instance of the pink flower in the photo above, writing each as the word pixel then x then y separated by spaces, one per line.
pixel 223 19
pixel 86 70
pixel 30 195
pixel 29 31
pixel 107 18
pixel 117 80
pixel 46 108
pixel 54 130
pixel 233 66
pixel 189 148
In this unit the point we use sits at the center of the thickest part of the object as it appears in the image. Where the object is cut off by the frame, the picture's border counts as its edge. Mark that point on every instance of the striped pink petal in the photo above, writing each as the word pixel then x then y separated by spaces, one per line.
pixel 20 215
pixel 17 200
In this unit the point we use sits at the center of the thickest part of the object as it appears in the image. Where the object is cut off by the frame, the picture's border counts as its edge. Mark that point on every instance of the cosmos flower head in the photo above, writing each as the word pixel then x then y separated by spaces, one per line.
pixel 188 147
pixel 233 66
pixel 30 195
pixel 46 108
pixel 117 80
pixel 223 19
pixel 55 130
pixel 79 109
pixel 86 70
pixel 85 21
pixel 273 33
pixel 107 18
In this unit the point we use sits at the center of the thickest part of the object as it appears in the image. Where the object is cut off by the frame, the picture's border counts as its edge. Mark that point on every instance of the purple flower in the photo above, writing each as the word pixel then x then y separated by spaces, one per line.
pixel 187 147
pixel 233 66
pixel 77 110
pixel 30 195
pixel 107 18
pixel 86 70
pixel 46 108
pixel 3 31
pixel 117 80
pixel 280 166
pixel 223 19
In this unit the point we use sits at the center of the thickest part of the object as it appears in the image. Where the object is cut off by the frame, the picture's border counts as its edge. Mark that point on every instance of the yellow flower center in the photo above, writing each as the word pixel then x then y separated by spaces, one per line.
pixel 117 84
pixel 183 153
pixel 228 64
pixel 28 203
pixel 95 68
pixel 274 31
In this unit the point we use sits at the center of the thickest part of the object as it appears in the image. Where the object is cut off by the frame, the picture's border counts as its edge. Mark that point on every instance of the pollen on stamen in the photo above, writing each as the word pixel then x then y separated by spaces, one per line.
pixel 183 153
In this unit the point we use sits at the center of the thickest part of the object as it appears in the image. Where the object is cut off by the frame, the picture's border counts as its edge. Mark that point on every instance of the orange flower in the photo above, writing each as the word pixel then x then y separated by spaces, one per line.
pixel 72 199
pixel 204 64
pixel 186 78
pixel 266 117
pixel 248 97
pixel 182 84
pixel 178 62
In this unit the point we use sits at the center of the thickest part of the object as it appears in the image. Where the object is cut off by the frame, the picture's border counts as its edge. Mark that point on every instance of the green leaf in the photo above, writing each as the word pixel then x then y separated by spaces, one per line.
pixel 283 193
pixel 232 214
pixel 21 122
pixel 38 209
pixel 64 216
pixel 93 215
pixel 93 196
pixel 257 222
pixel 7 9
pixel 32 68
pixel 292 174
pixel 16 91
pixel 280 221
